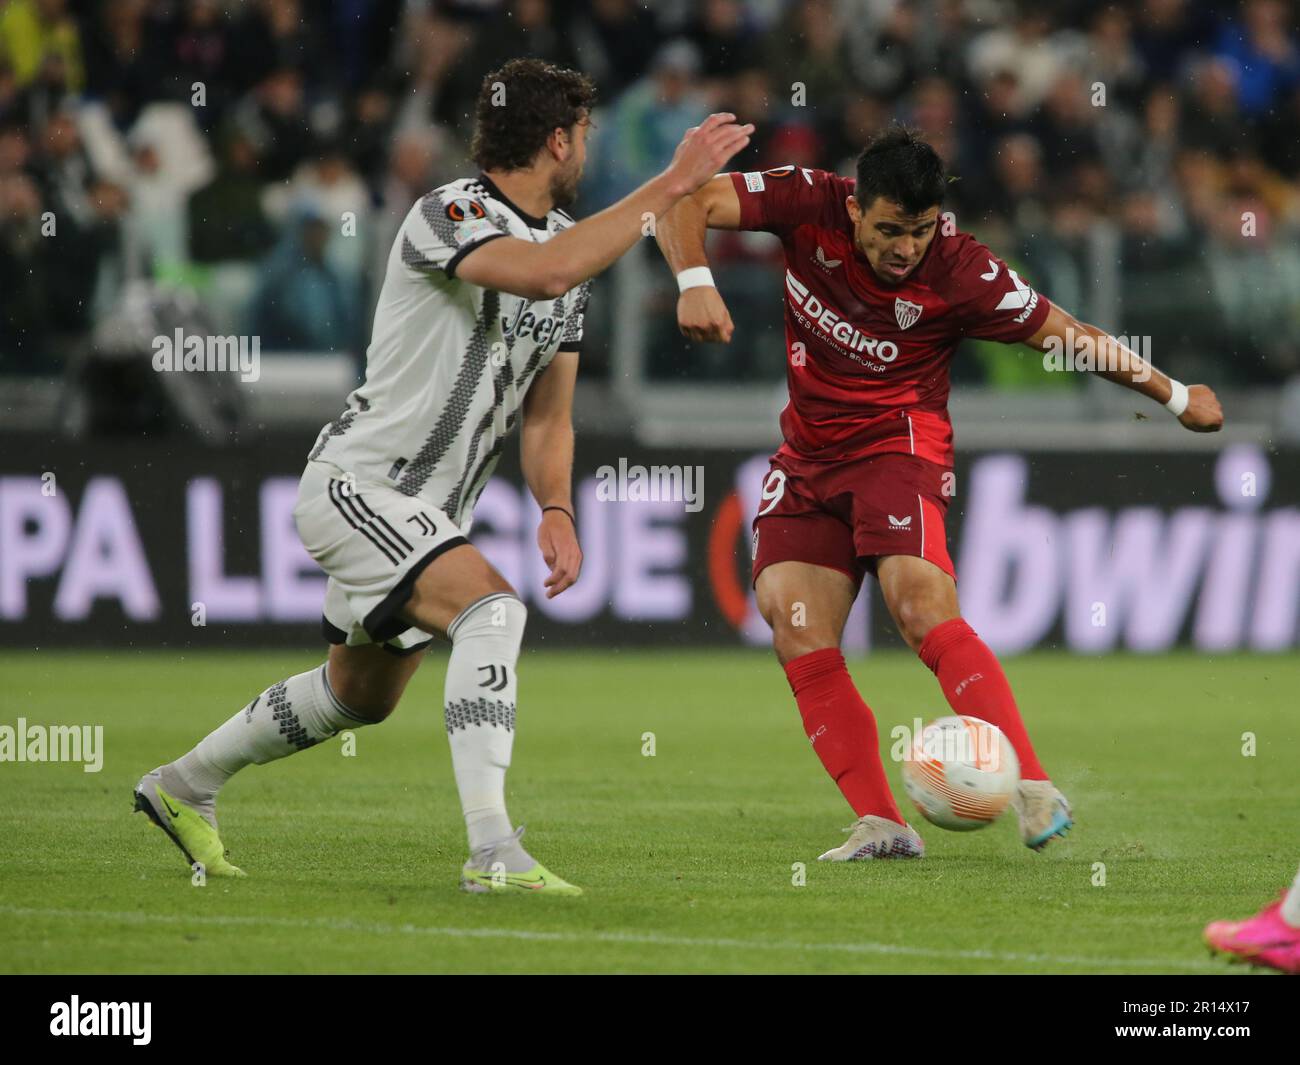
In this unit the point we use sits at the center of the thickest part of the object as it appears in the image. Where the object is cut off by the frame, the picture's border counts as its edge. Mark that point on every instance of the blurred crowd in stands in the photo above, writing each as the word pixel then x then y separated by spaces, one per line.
pixel 1138 161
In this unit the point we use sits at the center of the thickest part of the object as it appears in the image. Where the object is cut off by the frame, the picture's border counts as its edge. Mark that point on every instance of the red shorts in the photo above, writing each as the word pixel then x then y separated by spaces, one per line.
pixel 845 515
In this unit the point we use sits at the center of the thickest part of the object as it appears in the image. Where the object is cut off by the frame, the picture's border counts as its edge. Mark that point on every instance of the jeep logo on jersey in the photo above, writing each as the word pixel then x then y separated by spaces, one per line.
pixel 543 329
pixel 1022 298
pixel 831 323
pixel 906 312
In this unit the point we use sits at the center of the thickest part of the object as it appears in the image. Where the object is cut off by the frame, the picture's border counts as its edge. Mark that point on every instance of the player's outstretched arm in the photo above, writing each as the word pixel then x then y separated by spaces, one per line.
pixel 550 269
pixel 546 451
pixel 701 313
pixel 1196 406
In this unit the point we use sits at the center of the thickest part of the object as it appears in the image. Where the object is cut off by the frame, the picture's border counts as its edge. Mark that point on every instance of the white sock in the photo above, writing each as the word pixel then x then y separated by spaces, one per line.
pixel 291 715
pixel 1291 904
pixel 480 714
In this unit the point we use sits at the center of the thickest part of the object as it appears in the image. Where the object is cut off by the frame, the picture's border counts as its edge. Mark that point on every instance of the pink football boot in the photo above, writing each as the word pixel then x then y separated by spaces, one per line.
pixel 1264 939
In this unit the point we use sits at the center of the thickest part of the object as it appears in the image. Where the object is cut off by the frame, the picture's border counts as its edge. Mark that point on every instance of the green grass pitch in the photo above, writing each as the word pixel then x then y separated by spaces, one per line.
pixel 686 856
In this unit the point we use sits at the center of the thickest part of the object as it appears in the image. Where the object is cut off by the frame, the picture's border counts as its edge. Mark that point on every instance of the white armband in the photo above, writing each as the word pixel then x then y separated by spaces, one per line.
pixel 1177 398
pixel 695 277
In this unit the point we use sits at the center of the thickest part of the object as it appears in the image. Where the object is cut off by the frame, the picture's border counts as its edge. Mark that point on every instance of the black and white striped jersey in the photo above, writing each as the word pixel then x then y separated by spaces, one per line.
pixel 449 362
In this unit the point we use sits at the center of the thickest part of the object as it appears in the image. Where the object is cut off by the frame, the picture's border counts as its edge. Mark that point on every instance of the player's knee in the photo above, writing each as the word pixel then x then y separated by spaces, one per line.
pixel 362 698
pixel 498 618
pixel 790 641
pixel 917 614
pixel 373 710
pixel 794 632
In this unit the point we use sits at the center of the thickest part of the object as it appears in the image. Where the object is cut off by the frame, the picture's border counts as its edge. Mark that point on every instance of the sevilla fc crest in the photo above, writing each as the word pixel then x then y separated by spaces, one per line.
pixel 906 312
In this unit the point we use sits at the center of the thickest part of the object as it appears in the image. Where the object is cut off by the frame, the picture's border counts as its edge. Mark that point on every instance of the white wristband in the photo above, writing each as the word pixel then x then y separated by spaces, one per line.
pixel 1177 398
pixel 695 277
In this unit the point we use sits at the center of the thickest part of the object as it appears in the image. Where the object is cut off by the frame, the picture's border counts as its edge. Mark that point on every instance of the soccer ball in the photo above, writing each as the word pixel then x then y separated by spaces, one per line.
pixel 961 773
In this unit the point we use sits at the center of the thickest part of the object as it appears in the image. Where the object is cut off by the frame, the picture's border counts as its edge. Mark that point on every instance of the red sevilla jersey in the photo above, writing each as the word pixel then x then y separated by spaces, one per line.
pixel 868 362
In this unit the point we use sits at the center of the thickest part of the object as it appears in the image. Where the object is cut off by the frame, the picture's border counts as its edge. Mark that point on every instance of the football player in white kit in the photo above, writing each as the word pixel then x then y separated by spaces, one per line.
pixel 478 322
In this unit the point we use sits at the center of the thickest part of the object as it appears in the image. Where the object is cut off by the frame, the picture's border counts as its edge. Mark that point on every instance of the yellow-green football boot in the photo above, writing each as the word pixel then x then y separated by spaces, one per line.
pixel 193 830
pixel 504 865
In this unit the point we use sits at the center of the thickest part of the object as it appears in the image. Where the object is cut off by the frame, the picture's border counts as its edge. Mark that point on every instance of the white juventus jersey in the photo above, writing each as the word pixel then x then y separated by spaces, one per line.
pixel 449 363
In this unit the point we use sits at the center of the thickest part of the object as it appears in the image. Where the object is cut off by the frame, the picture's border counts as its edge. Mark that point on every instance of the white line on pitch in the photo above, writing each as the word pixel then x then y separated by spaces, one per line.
pixel 635 938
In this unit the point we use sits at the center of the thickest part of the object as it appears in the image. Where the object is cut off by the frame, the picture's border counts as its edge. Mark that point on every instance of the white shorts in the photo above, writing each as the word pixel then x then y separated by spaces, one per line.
pixel 373 542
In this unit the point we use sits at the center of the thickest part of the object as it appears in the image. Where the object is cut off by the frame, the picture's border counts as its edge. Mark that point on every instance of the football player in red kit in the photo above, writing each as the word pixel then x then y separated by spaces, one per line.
pixel 877 297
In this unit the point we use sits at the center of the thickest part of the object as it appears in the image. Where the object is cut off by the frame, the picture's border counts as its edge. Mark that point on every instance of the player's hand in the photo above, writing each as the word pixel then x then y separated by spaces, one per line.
pixel 702 315
pixel 558 540
pixel 1203 413
pixel 705 149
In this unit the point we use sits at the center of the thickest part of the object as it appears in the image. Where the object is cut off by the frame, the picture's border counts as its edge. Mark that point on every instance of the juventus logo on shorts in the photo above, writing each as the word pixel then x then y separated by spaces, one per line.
pixel 374 527
pixel 424 523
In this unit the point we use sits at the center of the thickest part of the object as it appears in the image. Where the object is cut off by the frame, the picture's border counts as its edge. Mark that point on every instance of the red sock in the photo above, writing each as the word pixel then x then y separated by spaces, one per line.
pixel 842 730
pixel 974 684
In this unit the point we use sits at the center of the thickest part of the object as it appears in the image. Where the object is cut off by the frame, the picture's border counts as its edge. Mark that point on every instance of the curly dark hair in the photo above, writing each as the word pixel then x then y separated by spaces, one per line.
pixel 519 106
pixel 901 166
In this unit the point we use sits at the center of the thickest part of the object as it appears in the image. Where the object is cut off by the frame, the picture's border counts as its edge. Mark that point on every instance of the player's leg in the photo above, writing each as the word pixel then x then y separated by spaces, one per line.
pixel 922 598
pixel 899 502
pixel 356 686
pixel 1271 937
pixel 806 577
pixel 1291 903
pixel 807 606
pixel 460 594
